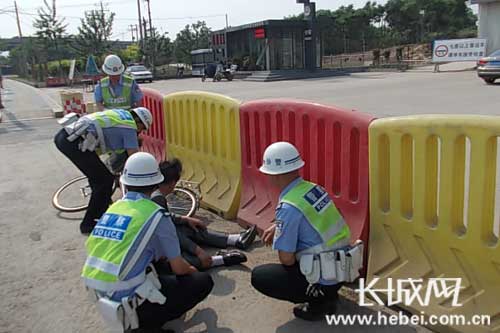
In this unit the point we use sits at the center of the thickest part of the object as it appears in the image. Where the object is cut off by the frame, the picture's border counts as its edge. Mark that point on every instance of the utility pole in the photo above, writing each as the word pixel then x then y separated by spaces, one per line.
pixel 132 29
pixel 139 15
pixel 144 24
pixel 149 16
pixel 23 55
pixel 152 37
pixel 18 22
pixel 225 41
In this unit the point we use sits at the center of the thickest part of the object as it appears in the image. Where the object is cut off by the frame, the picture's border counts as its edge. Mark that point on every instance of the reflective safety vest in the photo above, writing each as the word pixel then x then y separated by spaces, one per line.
pixel 113 118
pixel 110 118
pixel 111 241
pixel 109 98
pixel 320 211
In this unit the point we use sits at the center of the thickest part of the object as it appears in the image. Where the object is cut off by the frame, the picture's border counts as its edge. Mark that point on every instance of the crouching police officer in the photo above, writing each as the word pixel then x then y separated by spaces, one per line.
pixel 132 234
pixel 308 229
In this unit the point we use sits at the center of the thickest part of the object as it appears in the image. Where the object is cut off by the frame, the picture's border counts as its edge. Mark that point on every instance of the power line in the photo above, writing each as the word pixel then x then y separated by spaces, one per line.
pixel 86 4
pixel 187 17
pixel 130 19
pixel 13 16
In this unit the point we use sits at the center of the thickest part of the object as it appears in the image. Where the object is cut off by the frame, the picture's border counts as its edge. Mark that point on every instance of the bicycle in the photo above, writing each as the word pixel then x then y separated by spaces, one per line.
pixel 74 195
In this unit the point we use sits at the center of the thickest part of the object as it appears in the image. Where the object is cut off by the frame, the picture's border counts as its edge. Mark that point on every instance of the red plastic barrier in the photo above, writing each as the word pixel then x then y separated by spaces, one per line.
pixel 332 141
pixel 55 81
pixel 154 139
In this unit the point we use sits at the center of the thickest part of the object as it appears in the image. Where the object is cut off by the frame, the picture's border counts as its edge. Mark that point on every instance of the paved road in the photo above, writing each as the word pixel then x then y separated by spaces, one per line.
pixel 42 252
pixel 381 94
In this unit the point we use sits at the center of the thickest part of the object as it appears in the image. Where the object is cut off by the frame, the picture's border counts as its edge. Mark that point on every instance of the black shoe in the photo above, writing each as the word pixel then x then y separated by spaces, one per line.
pixel 150 330
pixel 233 258
pixel 246 238
pixel 86 228
pixel 314 311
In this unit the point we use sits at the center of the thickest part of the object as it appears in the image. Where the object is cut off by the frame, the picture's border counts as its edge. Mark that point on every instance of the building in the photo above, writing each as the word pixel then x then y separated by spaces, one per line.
pixel 267 45
pixel 489 23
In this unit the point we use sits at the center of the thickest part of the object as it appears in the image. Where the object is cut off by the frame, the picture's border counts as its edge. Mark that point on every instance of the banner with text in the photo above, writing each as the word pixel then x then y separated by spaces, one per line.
pixel 471 49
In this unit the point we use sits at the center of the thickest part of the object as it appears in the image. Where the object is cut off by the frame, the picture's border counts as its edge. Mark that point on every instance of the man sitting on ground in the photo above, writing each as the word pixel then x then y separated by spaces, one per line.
pixel 192 231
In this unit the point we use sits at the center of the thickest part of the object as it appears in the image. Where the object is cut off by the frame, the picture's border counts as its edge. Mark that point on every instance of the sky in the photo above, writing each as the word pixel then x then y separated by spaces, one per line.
pixel 168 16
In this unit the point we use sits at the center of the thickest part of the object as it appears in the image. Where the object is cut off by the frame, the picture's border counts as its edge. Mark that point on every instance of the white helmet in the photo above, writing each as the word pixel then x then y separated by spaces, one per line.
pixel 113 65
pixel 144 115
pixel 141 169
pixel 280 158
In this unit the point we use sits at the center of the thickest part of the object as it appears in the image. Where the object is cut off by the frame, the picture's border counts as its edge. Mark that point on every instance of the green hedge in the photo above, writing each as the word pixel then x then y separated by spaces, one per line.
pixel 53 67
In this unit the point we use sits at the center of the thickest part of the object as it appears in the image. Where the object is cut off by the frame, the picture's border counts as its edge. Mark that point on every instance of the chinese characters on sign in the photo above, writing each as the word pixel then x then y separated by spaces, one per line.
pixel 458 50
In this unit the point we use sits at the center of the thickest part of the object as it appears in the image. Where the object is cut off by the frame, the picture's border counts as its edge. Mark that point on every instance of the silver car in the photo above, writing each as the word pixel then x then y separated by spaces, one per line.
pixel 140 73
pixel 488 68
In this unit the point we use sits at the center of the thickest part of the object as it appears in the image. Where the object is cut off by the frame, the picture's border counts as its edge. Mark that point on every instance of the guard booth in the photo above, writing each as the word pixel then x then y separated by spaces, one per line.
pixel 267 45
pixel 200 59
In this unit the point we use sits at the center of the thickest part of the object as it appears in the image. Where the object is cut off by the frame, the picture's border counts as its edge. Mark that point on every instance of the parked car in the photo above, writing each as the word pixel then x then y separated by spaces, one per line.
pixel 488 68
pixel 139 73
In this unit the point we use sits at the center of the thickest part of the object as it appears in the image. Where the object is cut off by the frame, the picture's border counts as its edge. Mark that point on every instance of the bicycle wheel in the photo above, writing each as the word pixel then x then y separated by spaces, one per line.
pixel 182 202
pixel 74 196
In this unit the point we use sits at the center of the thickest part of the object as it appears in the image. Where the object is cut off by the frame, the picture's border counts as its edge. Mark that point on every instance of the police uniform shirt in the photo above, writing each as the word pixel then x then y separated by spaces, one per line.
pixel 163 243
pixel 117 138
pixel 293 232
pixel 136 93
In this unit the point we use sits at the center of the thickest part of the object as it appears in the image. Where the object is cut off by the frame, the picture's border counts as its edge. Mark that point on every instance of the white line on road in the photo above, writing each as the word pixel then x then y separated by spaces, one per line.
pixel 26 119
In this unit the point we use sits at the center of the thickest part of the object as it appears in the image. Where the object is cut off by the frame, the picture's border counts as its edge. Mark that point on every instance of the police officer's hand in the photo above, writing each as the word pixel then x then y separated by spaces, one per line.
pixel 268 235
pixel 194 223
pixel 205 258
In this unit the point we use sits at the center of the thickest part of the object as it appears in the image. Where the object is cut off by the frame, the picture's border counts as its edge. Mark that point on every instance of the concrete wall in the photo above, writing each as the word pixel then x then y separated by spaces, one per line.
pixel 489 24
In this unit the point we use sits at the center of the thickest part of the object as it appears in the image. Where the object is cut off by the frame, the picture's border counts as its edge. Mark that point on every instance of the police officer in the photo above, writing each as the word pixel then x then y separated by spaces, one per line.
pixel 116 90
pixel 132 234
pixel 307 224
pixel 112 131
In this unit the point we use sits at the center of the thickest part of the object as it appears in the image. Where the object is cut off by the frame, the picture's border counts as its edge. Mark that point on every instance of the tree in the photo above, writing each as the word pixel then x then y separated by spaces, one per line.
pixel 192 37
pixel 50 31
pixel 26 57
pixel 423 20
pixel 131 54
pixel 350 29
pixel 158 49
pixel 94 33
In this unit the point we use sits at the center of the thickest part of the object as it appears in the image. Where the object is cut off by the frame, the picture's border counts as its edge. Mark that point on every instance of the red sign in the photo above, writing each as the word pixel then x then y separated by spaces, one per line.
pixel 441 51
pixel 260 33
pixel 218 39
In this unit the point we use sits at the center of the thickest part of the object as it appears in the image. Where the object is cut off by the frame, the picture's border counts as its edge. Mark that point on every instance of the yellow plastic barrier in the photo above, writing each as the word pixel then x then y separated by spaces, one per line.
pixel 427 219
pixel 203 131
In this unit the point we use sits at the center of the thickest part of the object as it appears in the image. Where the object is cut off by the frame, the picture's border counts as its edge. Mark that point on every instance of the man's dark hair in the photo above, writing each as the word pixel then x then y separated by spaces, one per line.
pixel 142 189
pixel 171 170
pixel 136 118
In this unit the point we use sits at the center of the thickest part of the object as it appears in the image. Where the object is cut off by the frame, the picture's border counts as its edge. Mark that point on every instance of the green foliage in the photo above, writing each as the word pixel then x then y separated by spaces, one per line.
pixel 158 49
pixel 192 37
pixel 350 29
pixel 94 33
pixel 24 58
pixel 131 54
pixel 423 20
pixel 50 30
pixel 61 68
